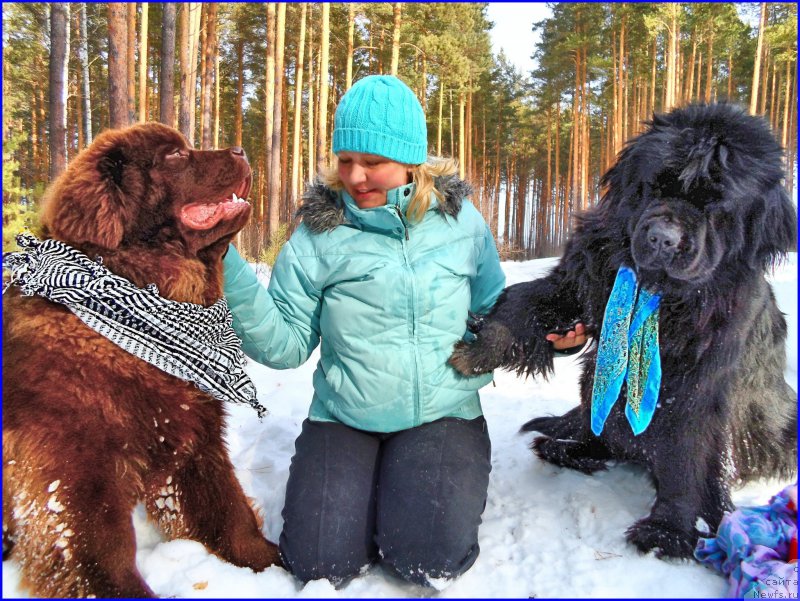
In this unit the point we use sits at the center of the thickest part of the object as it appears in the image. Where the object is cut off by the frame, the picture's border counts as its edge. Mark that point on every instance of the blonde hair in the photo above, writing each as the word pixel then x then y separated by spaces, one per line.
pixel 422 175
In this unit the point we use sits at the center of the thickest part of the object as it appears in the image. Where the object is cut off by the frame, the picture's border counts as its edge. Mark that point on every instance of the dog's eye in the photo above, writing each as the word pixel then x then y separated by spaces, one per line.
pixel 177 153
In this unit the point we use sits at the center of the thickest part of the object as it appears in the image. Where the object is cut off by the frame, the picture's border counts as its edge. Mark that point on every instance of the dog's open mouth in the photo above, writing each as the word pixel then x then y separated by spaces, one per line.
pixel 205 215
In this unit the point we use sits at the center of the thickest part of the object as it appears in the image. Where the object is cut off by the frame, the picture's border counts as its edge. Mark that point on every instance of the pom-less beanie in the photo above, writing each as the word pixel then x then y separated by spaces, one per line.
pixel 381 115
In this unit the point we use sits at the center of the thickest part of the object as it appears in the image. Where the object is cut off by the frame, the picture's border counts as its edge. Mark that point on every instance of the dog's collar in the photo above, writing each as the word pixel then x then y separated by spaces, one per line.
pixel 186 340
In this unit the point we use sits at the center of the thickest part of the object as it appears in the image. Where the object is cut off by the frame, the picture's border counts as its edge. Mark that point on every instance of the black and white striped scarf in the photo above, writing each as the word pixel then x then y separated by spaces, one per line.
pixel 186 340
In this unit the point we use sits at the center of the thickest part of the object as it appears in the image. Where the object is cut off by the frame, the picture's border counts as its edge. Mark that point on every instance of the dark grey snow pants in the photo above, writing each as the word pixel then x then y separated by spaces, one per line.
pixel 411 500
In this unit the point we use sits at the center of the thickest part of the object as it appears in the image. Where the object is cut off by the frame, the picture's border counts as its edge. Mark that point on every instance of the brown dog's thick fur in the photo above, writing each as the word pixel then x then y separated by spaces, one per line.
pixel 90 430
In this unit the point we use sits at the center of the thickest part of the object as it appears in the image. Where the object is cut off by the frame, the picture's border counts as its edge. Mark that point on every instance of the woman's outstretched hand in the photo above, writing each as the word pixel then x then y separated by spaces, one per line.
pixel 576 337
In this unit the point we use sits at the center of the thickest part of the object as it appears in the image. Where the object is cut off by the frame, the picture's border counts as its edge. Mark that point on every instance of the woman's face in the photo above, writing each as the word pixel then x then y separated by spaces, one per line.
pixel 367 177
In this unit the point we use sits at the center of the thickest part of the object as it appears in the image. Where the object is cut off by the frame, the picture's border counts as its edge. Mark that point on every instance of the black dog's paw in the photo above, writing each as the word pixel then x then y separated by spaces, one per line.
pixel 569 453
pixel 551 426
pixel 648 534
pixel 566 426
pixel 490 350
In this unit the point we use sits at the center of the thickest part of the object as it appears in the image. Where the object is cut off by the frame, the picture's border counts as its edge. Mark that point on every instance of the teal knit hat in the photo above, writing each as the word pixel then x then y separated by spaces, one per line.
pixel 381 115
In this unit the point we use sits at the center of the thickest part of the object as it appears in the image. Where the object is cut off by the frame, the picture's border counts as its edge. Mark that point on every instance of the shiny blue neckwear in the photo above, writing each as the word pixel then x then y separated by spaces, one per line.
pixel 628 353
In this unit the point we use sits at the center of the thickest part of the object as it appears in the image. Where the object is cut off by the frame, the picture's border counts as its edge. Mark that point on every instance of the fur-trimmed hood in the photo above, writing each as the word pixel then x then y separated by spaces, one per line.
pixel 323 208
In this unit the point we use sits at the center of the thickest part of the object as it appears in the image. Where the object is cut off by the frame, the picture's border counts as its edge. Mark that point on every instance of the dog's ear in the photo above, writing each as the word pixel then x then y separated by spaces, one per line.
pixel 112 166
pixel 86 204
pixel 773 227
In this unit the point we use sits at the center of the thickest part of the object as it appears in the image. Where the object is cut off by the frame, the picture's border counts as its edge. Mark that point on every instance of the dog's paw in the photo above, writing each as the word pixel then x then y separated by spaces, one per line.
pixel 486 353
pixel 667 541
pixel 549 426
pixel 256 554
pixel 564 426
pixel 569 453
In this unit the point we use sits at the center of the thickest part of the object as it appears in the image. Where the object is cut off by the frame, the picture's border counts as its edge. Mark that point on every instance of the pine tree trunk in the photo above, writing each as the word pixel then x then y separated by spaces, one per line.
pixel 284 168
pixel 791 142
pixel 699 71
pixel 546 197
pixel 615 91
pixel 586 147
pixel 274 198
pixel 709 67
pixel 194 37
pixel 312 162
pixel 484 193
pixel 297 146
pixel 570 189
pixel 71 125
pixel 519 214
pixel 653 78
pixel 81 144
pixel 787 100
pixel 351 23
pixel 131 61
pixel 322 132
pixel 452 126
pixel 509 178
pixel 42 156
pixel 439 122
pixel 166 80
pixel 773 109
pixel 730 75
pixel 423 97
pixel 83 58
pixel 462 168
pixel 216 100
pixel 208 78
pixel 626 96
pixel 203 47
pixel 759 54
pixel 672 57
pixel 622 85
pixel 557 179
pixel 143 64
pixel 269 106
pixel 117 69
pixel 470 171
pixel 185 46
pixel 497 169
pixel 762 102
pixel 59 59
pixel 396 10
pixel 237 116
pixel 575 132
pixel 690 77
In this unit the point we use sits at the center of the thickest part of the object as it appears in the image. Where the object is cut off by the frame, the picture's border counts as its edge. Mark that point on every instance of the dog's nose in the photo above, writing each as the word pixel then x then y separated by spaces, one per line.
pixel 664 236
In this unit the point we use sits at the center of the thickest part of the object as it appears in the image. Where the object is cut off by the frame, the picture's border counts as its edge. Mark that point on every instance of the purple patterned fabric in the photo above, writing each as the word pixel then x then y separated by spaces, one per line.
pixel 753 548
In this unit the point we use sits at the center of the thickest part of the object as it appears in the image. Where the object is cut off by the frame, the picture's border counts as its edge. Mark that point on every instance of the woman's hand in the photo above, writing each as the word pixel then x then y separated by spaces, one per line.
pixel 576 337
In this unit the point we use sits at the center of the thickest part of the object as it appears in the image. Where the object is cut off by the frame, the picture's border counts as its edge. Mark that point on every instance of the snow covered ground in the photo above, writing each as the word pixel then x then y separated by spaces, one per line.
pixel 547 532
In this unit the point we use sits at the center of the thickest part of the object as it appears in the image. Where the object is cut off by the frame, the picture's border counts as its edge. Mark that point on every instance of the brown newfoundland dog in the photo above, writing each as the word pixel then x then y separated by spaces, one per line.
pixel 695 209
pixel 90 430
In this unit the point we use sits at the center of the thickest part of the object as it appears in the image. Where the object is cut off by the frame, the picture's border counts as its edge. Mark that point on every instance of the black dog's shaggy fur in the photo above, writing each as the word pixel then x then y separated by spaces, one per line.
pixel 696 206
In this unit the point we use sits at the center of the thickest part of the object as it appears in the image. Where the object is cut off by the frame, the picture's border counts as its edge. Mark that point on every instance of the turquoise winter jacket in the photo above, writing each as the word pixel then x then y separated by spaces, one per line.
pixel 388 299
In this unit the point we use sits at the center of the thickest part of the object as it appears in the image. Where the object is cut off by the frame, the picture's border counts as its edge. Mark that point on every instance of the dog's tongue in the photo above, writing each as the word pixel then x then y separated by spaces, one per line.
pixel 203 216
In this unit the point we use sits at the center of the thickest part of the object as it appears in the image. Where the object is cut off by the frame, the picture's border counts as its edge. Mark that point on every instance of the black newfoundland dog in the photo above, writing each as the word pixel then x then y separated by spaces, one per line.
pixel 696 210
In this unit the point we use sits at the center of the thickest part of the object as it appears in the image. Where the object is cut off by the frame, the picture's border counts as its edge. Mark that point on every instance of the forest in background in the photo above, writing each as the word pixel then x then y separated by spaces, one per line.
pixel 268 76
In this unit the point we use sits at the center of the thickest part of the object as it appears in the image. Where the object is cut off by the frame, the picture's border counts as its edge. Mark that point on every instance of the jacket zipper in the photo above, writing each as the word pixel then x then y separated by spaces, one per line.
pixel 402 220
pixel 415 348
